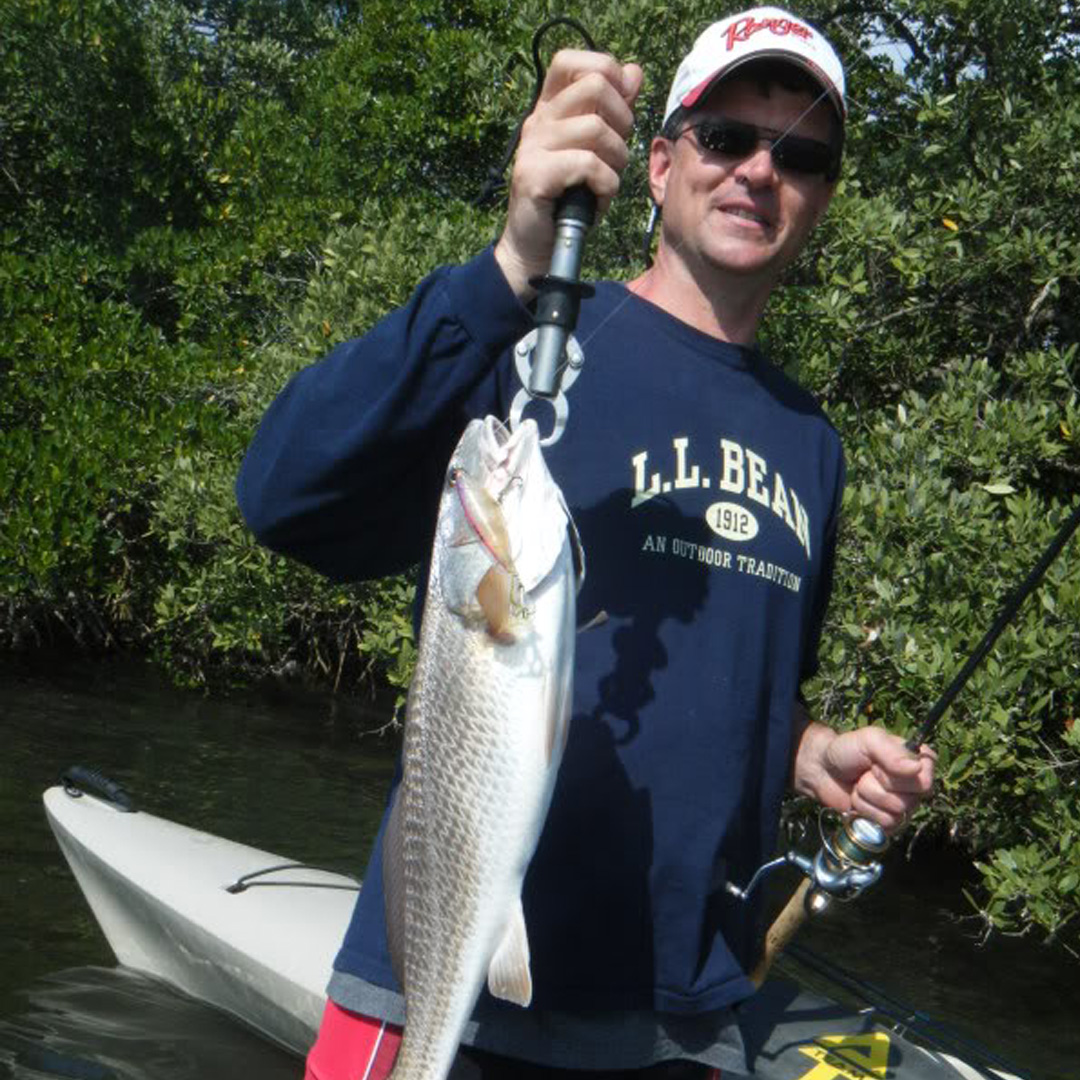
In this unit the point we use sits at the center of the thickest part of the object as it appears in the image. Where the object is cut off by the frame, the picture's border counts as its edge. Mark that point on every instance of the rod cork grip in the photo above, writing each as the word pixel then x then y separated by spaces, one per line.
pixel 780 934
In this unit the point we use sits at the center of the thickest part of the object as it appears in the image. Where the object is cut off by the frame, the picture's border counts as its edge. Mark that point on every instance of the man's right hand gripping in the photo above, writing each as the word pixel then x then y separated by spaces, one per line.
pixel 576 135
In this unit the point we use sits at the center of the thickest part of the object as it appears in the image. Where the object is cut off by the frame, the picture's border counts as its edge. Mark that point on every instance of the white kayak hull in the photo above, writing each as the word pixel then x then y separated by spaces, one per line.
pixel 159 892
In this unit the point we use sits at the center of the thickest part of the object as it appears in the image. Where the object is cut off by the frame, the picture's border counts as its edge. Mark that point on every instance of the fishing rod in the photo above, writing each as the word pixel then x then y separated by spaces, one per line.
pixel 905 1019
pixel 849 859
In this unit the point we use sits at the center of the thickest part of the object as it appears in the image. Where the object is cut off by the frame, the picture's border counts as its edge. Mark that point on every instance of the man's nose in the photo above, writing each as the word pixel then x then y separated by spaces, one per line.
pixel 758 169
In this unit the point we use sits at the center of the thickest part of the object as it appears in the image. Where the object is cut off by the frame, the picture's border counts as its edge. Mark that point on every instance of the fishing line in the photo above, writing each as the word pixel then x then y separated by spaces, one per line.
pixel 656 214
pixel 862 56
pixel 497 173
pixel 791 922
pixel 374 1051
pixel 1065 531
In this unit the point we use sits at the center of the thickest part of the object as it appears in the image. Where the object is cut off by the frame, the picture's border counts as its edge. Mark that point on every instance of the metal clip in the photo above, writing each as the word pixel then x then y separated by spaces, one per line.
pixel 523 353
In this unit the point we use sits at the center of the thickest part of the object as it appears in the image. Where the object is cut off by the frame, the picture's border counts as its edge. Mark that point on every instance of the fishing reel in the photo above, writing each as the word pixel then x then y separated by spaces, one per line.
pixel 846 864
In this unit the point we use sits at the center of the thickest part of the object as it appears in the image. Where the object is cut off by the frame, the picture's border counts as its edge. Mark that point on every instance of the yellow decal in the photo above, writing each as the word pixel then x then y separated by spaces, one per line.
pixel 848 1057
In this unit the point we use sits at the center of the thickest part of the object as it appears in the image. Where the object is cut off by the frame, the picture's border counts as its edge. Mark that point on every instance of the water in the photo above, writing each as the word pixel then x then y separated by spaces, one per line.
pixel 293 774
pixel 297 774
pixel 915 936
pixel 106 1023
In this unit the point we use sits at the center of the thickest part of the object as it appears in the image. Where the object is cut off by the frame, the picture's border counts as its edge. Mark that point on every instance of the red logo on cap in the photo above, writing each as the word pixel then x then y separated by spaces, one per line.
pixel 744 29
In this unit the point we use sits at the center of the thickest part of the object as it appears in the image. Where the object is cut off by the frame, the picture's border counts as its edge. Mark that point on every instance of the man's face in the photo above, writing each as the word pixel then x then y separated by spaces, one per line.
pixel 741 217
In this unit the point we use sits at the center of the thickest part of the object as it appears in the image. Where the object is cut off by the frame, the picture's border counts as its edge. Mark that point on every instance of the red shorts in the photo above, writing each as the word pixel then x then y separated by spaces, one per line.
pixel 355 1047
pixel 352 1047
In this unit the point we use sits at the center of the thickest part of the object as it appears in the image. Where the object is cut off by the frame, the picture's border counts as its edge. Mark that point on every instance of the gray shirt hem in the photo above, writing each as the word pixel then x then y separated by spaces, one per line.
pixel 626 1039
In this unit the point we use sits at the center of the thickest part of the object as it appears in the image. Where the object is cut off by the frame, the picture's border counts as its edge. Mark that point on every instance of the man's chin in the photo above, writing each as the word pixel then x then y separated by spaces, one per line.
pixel 759 263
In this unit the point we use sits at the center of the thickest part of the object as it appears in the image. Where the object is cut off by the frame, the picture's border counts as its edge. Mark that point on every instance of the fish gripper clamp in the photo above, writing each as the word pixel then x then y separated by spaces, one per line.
pixel 571 368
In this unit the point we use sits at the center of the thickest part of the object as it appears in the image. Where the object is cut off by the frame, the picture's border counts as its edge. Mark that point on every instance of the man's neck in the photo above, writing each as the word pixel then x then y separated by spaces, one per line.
pixel 724 306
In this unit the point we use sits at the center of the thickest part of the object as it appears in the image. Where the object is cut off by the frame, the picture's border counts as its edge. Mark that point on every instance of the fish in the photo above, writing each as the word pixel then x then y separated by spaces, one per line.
pixel 486 723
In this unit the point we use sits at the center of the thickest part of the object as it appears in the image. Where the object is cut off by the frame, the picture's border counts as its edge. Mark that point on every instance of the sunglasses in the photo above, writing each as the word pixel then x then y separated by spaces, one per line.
pixel 791 153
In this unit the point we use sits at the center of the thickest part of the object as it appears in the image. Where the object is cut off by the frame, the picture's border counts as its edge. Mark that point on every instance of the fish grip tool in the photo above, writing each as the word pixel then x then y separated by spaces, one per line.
pixel 559 292
pixel 548 358
pixel 848 861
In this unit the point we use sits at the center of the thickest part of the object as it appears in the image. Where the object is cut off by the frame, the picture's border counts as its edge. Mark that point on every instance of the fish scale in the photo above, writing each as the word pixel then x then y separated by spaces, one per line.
pixel 484 731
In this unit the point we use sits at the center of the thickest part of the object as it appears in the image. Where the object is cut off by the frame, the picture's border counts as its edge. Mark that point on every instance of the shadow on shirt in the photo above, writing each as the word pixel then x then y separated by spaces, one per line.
pixel 625 580
pixel 587 896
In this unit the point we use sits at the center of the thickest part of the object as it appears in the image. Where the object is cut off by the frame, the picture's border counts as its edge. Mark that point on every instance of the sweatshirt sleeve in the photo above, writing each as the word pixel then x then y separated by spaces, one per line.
pixel 345 468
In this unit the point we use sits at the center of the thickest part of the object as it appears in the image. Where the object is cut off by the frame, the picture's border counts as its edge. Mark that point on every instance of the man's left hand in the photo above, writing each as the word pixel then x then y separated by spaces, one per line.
pixel 869 770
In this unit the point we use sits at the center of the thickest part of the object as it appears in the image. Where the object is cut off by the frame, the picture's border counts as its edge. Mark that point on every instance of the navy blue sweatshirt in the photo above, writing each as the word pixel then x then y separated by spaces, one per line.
pixel 706 487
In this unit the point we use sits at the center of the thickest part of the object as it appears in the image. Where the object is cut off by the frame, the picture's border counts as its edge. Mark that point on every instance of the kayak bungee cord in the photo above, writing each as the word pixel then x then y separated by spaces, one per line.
pixel 246 881
pixel 78 780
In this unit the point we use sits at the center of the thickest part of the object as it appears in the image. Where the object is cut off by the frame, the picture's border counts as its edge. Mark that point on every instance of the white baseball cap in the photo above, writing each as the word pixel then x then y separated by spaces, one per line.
pixel 760 33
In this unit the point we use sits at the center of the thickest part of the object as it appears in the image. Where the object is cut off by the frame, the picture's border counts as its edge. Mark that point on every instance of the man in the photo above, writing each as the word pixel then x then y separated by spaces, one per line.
pixel 706 487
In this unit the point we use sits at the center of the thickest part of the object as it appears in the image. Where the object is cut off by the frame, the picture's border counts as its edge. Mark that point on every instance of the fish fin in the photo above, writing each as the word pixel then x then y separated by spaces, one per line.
pixel 493 596
pixel 598 619
pixel 576 548
pixel 556 697
pixel 393 869
pixel 509 977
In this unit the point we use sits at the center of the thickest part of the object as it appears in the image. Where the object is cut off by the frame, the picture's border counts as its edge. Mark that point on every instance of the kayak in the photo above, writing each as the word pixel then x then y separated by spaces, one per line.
pixel 254 934
pixel 173 902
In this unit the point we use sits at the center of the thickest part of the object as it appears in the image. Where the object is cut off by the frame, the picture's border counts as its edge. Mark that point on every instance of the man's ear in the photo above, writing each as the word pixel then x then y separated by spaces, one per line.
pixel 661 156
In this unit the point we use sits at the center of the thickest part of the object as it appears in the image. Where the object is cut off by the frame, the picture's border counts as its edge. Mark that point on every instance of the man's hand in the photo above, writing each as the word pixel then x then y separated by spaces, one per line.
pixel 576 135
pixel 868 770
